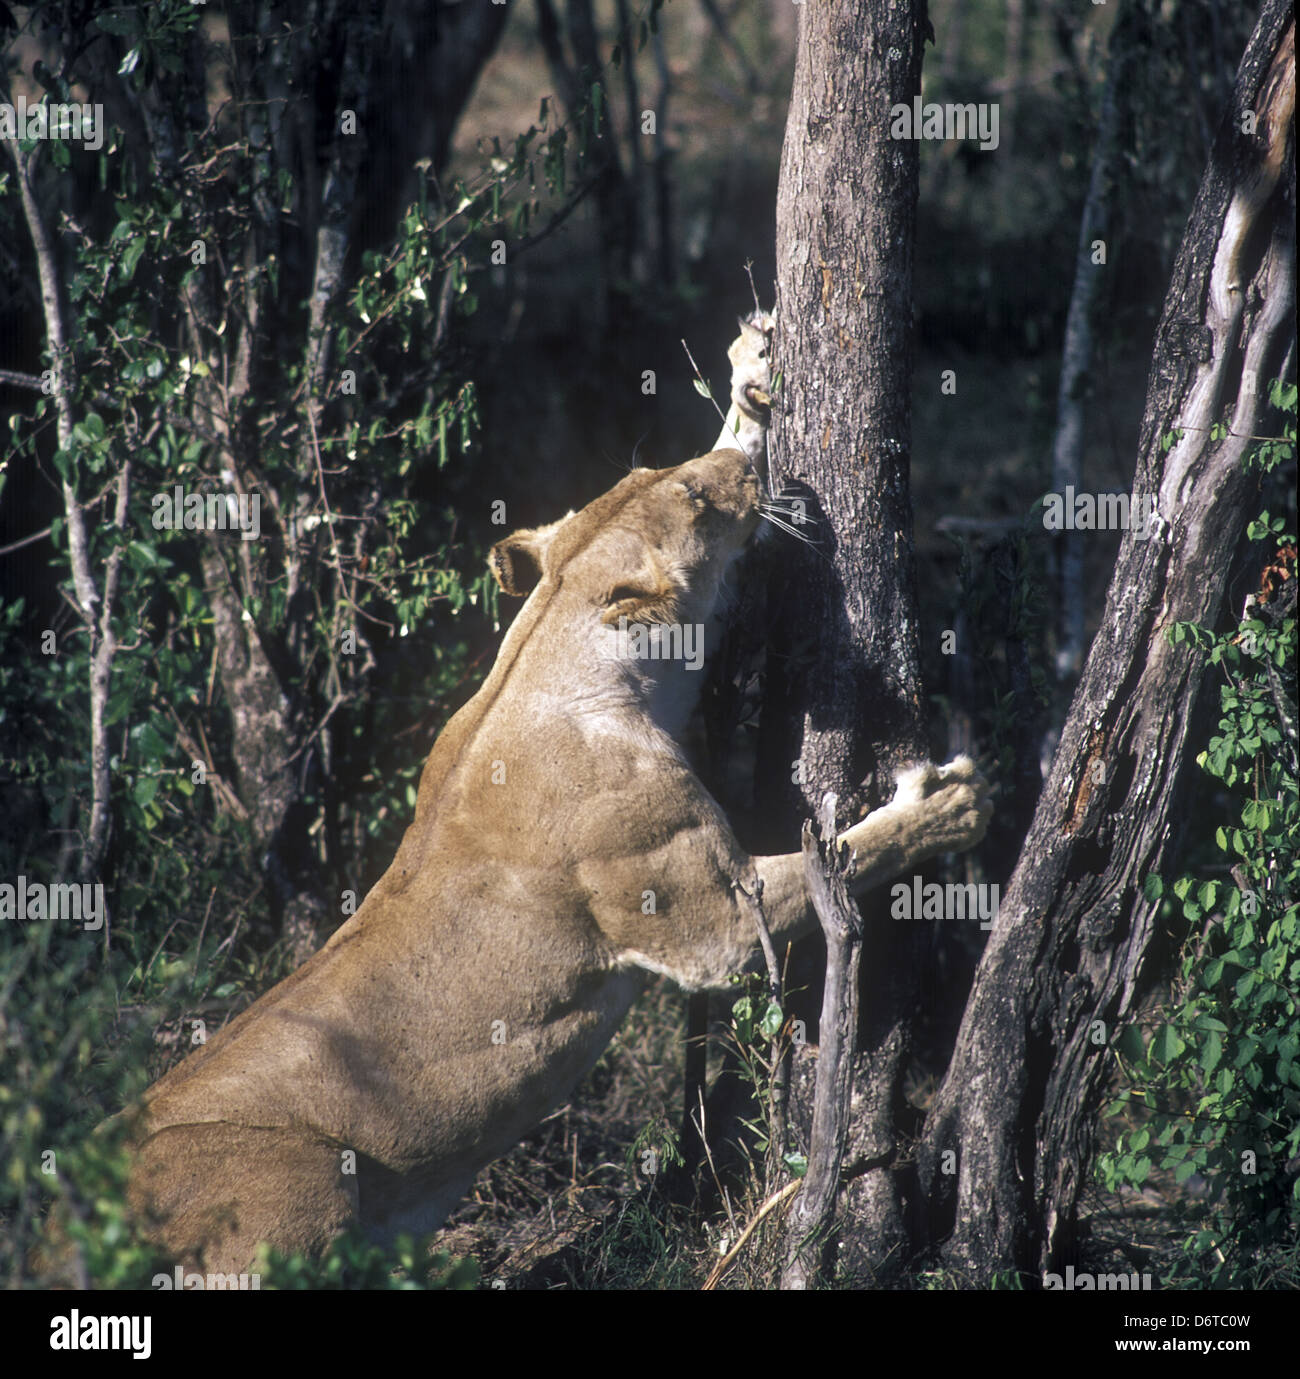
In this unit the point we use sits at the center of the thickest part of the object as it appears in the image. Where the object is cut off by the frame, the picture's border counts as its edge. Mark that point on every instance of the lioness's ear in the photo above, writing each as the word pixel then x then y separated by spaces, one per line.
pixel 517 562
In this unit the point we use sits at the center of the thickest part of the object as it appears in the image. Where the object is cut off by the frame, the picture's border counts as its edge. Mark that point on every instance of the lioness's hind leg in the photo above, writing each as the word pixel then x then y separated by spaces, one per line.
pixel 218 1190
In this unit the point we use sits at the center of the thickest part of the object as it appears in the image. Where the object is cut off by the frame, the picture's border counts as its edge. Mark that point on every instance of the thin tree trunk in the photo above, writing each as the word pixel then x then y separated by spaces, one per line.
pixel 464 37
pixel 102 639
pixel 723 30
pixel 619 234
pixel 636 179
pixel 1016 1112
pixel 1076 353
pixel 843 673
pixel 1013 64
pixel 662 168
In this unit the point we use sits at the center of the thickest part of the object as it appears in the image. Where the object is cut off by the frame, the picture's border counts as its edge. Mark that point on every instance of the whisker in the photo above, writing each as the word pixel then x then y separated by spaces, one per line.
pixel 785 502
pixel 797 511
pixel 636 449
pixel 787 527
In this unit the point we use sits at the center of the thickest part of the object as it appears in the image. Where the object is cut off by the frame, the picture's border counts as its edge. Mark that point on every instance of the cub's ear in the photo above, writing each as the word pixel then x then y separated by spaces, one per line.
pixel 519 561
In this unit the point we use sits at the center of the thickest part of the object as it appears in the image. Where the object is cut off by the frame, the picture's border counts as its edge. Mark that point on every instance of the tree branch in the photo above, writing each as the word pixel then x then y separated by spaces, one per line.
pixel 827 869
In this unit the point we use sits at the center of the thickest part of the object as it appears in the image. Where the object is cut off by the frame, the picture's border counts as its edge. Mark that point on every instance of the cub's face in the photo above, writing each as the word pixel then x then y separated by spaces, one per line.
pixel 750 354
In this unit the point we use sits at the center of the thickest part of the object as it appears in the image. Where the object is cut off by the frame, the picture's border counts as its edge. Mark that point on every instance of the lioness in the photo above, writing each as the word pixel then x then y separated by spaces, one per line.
pixel 562 847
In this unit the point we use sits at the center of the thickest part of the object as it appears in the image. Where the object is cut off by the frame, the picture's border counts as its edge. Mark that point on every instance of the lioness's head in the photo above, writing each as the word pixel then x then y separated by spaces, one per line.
pixel 651 550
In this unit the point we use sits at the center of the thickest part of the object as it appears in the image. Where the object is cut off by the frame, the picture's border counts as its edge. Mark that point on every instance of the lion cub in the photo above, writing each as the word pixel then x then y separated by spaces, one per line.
pixel 746 422
pixel 562 848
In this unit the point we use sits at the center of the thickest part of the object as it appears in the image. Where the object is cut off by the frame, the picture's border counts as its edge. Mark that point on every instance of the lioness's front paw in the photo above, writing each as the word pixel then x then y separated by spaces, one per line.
pixel 953 799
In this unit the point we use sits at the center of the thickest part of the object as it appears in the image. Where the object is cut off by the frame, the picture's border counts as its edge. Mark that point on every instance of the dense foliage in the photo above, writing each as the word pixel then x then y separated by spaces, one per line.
pixel 1220 1072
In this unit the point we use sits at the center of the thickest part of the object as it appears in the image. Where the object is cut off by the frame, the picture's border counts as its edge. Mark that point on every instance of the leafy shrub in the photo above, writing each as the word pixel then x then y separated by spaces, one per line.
pixel 353 1262
pixel 1222 1069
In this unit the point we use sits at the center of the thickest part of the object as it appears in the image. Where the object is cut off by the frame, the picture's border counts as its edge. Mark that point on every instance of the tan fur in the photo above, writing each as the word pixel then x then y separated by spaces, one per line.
pixel 746 422
pixel 549 807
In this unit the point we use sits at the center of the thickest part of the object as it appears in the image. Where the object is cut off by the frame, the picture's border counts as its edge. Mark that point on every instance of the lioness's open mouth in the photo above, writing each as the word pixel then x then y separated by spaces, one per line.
pixel 756 397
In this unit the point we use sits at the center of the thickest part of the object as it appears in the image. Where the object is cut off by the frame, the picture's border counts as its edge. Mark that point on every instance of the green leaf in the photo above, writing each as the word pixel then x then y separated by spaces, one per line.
pixel 1166 1044
pixel 150 743
pixel 144 557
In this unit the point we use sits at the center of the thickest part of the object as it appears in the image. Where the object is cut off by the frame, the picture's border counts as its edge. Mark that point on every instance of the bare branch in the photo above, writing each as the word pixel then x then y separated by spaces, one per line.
pixel 827 868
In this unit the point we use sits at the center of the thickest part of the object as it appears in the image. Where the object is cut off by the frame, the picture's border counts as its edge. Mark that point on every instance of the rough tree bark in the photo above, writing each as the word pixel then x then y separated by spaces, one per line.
pixel 841 692
pixel 1017 1108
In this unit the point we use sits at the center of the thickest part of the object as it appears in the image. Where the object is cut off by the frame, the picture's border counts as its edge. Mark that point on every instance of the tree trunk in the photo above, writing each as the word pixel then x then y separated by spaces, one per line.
pixel 1076 353
pixel 620 235
pixel 842 706
pixel 101 634
pixel 1015 1114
